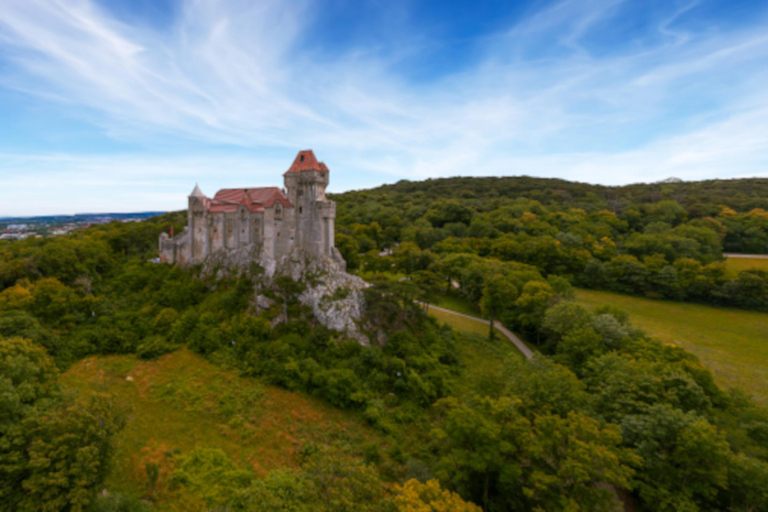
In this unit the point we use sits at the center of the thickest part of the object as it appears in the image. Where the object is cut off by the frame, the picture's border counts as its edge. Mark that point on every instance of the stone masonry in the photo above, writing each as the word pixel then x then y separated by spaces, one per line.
pixel 268 223
pixel 288 232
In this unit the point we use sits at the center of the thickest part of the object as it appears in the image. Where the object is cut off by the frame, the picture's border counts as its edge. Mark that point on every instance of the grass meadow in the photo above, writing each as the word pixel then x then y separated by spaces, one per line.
pixel 735 265
pixel 454 303
pixel 732 342
pixel 461 323
pixel 181 401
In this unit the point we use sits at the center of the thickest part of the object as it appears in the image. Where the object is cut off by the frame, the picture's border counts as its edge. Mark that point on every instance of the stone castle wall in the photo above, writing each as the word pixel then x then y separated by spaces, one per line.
pixel 273 231
pixel 291 233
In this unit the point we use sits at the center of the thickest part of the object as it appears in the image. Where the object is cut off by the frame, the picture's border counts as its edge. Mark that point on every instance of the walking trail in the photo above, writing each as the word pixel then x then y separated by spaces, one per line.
pixel 522 347
pixel 751 256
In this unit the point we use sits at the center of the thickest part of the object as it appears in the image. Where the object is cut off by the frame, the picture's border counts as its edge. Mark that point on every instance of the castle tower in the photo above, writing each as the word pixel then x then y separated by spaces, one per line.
pixel 266 221
pixel 198 225
pixel 305 184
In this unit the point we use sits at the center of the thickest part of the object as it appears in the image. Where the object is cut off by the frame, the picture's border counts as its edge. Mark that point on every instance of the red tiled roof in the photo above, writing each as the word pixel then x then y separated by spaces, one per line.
pixel 255 199
pixel 306 161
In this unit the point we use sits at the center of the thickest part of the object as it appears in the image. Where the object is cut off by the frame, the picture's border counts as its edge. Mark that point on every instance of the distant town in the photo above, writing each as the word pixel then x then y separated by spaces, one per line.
pixel 20 228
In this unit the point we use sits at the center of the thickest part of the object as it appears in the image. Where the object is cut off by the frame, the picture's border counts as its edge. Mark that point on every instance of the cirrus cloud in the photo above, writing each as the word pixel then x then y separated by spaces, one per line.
pixel 231 88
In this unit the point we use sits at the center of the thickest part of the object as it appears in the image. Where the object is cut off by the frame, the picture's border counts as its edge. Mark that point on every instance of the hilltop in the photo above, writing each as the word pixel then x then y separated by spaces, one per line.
pixel 740 194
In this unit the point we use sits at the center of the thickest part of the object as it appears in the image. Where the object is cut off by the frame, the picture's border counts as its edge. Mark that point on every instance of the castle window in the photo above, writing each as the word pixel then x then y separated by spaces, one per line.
pixel 302 158
pixel 300 210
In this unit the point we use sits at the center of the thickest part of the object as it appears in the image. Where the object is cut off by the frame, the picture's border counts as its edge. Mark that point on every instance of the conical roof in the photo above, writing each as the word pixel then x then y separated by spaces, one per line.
pixel 196 192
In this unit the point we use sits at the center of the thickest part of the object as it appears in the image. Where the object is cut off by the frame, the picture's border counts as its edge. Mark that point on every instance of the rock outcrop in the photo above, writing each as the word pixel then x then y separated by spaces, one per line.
pixel 334 296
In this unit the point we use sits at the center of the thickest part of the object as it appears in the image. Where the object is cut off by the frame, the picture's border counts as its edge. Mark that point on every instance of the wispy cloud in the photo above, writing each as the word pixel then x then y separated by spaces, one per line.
pixel 540 100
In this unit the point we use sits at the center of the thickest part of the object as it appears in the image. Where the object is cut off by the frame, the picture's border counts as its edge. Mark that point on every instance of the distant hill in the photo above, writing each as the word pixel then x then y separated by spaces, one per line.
pixel 739 194
pixel 80 217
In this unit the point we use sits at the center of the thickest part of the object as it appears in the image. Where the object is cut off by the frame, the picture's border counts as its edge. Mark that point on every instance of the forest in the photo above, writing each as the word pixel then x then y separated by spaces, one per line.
pixel 661 240
pixel 602 409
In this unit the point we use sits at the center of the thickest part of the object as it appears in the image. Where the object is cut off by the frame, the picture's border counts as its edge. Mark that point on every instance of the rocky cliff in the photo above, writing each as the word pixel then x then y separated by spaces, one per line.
pixel 335 297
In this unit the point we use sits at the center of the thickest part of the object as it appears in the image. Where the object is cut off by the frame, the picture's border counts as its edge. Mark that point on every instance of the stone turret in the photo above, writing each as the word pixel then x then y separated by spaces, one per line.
pixel 305 184
pixel 197 225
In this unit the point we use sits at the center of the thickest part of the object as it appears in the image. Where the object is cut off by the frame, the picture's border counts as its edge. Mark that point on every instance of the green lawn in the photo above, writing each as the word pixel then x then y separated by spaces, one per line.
pixel 732 342
pixel 454 303
pixel 462 305
pixel 735 265
pixel 482 361
pixel 462 324
pixel 473 327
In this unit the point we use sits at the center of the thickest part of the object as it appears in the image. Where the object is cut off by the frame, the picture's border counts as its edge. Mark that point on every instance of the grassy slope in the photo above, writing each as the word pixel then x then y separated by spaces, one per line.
pixel 732 342
pixel 461 324
pixel 481 359
pixel 735 265
pixel 465 306
pixel 182 401
pixel 455 303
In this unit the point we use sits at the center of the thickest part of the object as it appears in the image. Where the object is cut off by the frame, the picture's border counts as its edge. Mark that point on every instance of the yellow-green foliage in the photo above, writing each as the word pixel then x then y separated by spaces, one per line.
pixel 414 496
pixel 732 342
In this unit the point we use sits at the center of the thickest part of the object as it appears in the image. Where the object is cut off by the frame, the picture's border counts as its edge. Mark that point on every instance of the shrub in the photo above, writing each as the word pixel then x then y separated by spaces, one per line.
pixel 154 347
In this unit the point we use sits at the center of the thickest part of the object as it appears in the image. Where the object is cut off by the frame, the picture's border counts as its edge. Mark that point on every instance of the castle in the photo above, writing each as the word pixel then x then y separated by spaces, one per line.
pixel 268 222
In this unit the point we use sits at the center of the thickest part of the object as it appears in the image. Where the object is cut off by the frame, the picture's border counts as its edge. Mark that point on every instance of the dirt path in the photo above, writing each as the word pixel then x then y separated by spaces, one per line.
pixel 756 256
pixel 522 347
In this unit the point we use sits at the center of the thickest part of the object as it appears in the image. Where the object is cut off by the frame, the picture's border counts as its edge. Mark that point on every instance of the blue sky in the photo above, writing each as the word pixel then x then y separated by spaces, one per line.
pixel 123 105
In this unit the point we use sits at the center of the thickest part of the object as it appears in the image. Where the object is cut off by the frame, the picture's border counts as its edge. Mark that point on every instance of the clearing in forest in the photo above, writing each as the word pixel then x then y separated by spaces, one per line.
pixel 735 265
pixel 732 342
